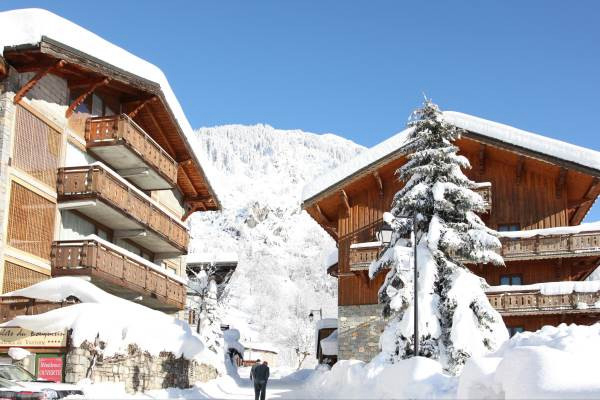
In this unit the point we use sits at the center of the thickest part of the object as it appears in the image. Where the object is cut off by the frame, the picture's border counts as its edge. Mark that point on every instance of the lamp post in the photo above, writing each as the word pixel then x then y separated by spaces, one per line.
pixel 385 237
pixel 311 316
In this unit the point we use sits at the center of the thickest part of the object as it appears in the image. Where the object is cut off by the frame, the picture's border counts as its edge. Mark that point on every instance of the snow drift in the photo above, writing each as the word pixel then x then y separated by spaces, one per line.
pixel 107 318
pixel 552 363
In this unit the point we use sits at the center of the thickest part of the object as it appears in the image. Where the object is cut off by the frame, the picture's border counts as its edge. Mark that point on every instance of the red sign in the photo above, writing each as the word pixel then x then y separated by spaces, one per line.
pixel 50 368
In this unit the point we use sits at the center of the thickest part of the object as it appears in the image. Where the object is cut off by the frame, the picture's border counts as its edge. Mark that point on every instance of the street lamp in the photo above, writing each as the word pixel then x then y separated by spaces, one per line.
pixel 311 316
pixel 385 237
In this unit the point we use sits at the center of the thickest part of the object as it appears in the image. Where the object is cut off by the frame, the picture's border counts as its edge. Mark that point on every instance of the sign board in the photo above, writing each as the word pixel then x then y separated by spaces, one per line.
pixel 20 337
pixel 50 368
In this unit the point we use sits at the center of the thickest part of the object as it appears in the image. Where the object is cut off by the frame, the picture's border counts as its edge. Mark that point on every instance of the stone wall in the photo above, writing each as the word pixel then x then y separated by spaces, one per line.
pixel 138 370
pixel 359 329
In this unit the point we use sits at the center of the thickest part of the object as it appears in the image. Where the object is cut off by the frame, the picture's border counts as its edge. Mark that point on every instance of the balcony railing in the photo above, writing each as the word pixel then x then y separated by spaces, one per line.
pixel 551 246
pixel 537 247
pixel 102 195
pixel 534 302
pixel 126 148
pixel 119 272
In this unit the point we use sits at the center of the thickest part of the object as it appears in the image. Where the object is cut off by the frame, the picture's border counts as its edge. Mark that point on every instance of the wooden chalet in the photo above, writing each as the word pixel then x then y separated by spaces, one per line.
pixel 98 171
pixel 529 182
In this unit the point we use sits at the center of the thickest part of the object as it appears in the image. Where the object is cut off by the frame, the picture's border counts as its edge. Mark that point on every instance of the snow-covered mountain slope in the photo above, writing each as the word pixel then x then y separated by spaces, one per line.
pixel 260 173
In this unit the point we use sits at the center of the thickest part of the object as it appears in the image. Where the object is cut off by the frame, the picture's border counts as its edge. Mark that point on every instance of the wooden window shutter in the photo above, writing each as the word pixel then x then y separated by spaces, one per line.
pixel 37 147
pixel 30 222
pixel 18 277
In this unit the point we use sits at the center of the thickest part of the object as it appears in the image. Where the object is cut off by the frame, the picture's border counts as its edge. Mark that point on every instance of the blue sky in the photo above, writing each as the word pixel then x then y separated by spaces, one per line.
pixel 358 68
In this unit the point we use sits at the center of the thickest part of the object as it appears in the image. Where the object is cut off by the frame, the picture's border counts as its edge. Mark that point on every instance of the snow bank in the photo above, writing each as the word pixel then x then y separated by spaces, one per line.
pixel 27 26
pixel 114 321
pixel 414 378
pixel 550 288
pixel 231 338
pixel 552 363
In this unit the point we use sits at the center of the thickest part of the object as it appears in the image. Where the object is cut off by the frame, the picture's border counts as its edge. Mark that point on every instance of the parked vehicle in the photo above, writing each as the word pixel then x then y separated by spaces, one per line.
pixel 26 386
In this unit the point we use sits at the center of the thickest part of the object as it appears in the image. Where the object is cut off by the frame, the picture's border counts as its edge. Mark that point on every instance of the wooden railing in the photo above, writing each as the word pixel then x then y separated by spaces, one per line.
pixel 536 302
pixel 93 181
pixel 107 264
pixel 537 247
pixel 120 129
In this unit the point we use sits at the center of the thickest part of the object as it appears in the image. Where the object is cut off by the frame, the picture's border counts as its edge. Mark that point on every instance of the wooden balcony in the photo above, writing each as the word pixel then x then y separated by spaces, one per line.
pixel 118 272
pixel 551 246
pixel 534 302
pixel 100 194
pixel 132 153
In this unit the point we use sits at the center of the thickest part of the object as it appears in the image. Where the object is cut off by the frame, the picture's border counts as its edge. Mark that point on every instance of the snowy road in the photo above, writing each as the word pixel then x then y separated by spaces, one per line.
pixel 283 382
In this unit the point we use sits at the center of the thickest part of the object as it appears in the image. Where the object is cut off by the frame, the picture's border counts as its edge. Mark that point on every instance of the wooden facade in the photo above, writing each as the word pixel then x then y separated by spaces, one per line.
pixel 526 191
pixel 100 178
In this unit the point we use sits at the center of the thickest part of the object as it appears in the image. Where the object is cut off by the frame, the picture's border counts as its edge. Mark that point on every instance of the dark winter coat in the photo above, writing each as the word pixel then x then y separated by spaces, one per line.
pixel 261 373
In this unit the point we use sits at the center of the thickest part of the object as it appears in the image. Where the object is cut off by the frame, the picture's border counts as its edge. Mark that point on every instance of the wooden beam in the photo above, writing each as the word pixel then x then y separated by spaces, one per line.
pixel 589 197
pixel 520 169
pixel 3 68
pixel 560 182
pixel 322 215
pixel 73 106
pixel 163 138
pixel 325 222
pixel 481 158
pixel 36 78
pixel 345 201
pixel 379 182
pixel 143 104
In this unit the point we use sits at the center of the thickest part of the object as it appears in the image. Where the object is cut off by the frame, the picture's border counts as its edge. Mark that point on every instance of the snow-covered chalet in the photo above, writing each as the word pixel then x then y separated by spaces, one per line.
pixel 538 191
pixel 98 171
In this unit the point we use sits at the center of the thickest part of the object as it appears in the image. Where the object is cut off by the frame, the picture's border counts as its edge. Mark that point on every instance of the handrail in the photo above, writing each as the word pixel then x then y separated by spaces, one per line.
pixel 94 180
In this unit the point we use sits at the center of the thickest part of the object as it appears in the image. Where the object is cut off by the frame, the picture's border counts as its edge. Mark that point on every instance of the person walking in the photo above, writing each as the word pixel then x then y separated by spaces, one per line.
pixel 260 376
pixel 256 364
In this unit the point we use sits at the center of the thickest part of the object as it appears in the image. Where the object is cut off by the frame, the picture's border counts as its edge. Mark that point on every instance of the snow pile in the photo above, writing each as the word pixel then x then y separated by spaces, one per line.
pixel 552 363
pixel 106 318
pixel 329 345
pixel 17 353
pixel 281 249
pixel 413 378
pixel 551 288
pixel 231 338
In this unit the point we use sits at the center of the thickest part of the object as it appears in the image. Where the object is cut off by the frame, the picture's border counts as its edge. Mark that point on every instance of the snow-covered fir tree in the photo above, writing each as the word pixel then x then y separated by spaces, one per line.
pixel 455 319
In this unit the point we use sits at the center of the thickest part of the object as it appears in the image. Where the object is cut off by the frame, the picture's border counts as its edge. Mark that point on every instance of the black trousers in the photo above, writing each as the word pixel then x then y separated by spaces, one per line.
pixel 260 389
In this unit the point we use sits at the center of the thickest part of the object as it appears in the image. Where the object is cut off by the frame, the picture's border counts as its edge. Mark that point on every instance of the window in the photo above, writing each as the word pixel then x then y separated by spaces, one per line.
pixel 509 227
pixel 513 330
pixel 511 280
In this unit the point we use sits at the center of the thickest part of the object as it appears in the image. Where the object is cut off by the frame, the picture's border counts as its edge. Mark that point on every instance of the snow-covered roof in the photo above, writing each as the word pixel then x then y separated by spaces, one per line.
pixel 326 323
pixel 209 258
pixel 550 288
pixel 261 346
pixel 28 26
pixel 115 321
pixel 518 138
pixel 332 259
